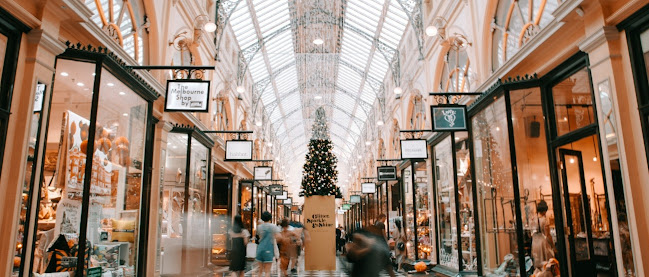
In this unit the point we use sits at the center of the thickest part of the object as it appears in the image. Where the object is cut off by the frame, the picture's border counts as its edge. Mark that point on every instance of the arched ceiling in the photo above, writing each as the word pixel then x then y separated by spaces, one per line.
pixel 293 76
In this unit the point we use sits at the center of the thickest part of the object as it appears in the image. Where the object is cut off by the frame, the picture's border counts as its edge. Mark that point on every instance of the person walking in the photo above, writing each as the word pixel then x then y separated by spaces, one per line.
pixel 238 241
pixel 368 254
pixel 399 244
pixel 266 247
pixel 288 242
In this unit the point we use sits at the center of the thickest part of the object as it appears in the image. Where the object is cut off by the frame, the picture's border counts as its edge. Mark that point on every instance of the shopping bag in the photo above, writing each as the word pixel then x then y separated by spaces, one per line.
pixel 251 250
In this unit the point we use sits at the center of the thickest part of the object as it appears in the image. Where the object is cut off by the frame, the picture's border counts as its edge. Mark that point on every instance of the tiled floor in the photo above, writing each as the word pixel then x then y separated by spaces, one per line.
pixel 342 267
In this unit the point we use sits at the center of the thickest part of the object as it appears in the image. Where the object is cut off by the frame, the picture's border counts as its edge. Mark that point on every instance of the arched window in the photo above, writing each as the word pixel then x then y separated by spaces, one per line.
pixel 121 22
pixel 516 22
pixel 456 73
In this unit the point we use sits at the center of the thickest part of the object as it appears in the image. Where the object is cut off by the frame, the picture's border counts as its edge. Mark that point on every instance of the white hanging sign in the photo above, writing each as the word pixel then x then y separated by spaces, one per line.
pixel 414 149
pixel 38 98
pixel 263 173
pixel 187 96
pixel 238 150
pixel 368 188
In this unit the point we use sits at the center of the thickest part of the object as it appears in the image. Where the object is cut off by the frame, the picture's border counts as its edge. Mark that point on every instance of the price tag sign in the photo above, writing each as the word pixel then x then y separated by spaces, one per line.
pixel 187 96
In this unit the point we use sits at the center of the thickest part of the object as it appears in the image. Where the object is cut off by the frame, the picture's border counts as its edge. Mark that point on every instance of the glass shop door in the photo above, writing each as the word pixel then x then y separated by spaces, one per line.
pixel 577 211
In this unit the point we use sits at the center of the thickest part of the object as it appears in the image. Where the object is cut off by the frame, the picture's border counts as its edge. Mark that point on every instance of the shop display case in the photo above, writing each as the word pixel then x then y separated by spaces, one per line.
pixel 185 238
pixel 91 195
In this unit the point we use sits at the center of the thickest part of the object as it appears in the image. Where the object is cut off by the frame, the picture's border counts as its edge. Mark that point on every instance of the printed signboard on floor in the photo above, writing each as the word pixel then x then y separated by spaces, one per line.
pixel 414 149
pixel 187 96
pixel 238 150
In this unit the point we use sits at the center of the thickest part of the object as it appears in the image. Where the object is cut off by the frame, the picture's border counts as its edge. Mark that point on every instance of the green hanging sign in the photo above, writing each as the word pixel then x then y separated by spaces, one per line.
pixel 449 118
pixel 346 207
pixel 94 272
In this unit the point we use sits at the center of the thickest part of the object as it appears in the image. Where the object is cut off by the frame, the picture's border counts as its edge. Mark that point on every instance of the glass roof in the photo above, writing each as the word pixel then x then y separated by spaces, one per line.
pixel 294 75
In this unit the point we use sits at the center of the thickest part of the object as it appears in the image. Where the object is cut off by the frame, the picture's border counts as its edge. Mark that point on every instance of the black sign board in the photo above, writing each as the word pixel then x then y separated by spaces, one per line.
pixel 275 190
pixel 187 96
pixel 386 173
pixel 238 150
pixel 448 118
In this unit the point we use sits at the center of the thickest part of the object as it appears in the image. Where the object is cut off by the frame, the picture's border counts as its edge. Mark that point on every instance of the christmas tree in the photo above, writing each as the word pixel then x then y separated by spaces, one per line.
pixel 320 174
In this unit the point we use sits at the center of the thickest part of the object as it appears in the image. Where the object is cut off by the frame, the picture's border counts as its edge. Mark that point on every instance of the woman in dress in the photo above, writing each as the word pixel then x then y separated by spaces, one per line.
pixel 239 239
pixel 266 247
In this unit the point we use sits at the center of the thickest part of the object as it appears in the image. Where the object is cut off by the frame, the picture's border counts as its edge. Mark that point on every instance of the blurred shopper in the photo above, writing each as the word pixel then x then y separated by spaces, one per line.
pixel 380 225
pixel 266 247
pixel 299 230
pixel 288 242
pixel 238 241
pixel 399 244
pixel 369 255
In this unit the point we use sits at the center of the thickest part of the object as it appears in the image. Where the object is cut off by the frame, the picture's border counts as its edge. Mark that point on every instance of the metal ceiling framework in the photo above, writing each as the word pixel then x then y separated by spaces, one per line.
pixel 361 38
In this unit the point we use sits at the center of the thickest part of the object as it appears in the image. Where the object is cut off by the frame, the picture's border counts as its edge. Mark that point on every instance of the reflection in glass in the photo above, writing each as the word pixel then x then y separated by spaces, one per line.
pixel 573 104
pixel 446 217
pixel 409 220
pixel 59 214
pixel 424 243
pixel 173 203
pixel 533 175
pixel 495 191
pixel 197 227
pixel 465 195
pixel 582 181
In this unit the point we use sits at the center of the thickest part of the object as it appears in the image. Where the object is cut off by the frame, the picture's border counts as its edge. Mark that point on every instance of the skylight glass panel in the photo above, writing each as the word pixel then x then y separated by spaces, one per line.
pixel 258 69
pixel 355 130
pixel 364 14
pixel 276 115
pixel 345 102
pixel 291 102
pixel 378 67
pixel 242 25
pixel 340 117
pixel 368 95
pixel 268 96
pixel 360 114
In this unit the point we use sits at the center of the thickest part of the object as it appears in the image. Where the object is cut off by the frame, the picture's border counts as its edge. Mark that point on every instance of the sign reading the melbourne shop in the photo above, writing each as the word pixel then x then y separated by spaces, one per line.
pixel 448 118
pixel 263 173
pixel 38 98
pixel 187 96
pixel 414 149
pixel 386 173
pixel 238 150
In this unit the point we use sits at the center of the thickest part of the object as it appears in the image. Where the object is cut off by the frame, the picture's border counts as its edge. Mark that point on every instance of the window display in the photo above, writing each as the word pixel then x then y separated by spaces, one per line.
pixel 446 205
pixel 573 103
pixel 90 200
pixel 495 191
pixel 409 215
pixel 185 207
pixel 465 199
pixel 535 188
pixel 424 238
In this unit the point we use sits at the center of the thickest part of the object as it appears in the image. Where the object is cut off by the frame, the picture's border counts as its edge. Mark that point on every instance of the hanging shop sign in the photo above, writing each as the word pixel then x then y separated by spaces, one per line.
pixel 288 201
pixel 187 96
pixel 368 188
pixel 386 173
pixel 238 150
pixel 341 211
pixel 38 98
pixel 355 199
pixel 448 118
pixel 347 207
pixel 276 190
pixel 414 149
pixel 263 173
pixel 283 195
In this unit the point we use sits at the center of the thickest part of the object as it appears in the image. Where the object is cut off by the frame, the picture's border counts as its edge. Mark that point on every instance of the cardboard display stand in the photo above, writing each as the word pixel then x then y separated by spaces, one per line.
pixel 320 222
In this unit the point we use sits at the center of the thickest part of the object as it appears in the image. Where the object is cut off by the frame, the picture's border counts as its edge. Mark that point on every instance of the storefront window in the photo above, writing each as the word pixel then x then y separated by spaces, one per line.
pixel 535 188
pixel 112 222
pixel 446 208
pixel 186 234
pixel 573 103
pixel 424 241
pixel 409 215
pixel 59 215
pixel 495 191
pixel 465 198
pixel 644 40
